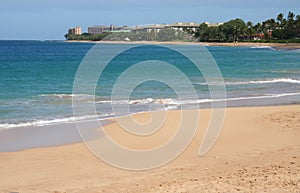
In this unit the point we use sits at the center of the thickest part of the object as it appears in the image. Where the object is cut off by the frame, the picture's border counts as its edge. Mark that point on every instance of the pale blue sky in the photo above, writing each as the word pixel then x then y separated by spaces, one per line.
pixel 50 19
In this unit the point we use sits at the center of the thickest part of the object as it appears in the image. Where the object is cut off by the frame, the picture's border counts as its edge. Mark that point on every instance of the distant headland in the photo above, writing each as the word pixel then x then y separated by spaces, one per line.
pixel 279 30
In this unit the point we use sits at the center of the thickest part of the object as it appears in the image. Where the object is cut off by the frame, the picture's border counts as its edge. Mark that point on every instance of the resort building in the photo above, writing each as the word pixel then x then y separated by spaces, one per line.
pixel 213 24
pixel 151 28
pixel 96 29
pixel 155 28
pixel 75 31
pixel 102 29
pixel 116 29
pixel 183 26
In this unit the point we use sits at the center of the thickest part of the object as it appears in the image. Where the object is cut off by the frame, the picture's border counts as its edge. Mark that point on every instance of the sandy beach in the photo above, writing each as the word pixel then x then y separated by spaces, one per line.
pixel 279 46
pixel 258 151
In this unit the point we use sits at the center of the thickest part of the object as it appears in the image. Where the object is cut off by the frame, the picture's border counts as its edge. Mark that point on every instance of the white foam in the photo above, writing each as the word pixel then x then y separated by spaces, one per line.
pixel 142 101
pixel 168 103
pixel 261 47
pixel 178 102
pixel 170 108
pixel 262 97
pixel 268 81
pixel 66 95
pixel 52 121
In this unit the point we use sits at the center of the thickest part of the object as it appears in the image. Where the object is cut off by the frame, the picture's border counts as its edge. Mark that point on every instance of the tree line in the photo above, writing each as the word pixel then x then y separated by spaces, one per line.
pixel 166 34
pixel 272 29
pixel 87 36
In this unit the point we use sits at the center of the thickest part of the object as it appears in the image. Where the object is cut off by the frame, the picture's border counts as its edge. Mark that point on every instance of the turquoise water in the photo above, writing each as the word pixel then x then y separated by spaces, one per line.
pixel 36 80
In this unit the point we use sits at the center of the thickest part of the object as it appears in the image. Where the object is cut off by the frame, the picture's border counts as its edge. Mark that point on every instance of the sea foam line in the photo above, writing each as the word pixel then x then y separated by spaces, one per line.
pixel 171 104
pixel 177 102
pixel 269 81
pixel 42 122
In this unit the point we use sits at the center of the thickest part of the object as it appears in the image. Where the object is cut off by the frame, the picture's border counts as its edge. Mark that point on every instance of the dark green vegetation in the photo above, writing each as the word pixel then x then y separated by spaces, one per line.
pixel 272 30
pixel 86 36
pixel 166 34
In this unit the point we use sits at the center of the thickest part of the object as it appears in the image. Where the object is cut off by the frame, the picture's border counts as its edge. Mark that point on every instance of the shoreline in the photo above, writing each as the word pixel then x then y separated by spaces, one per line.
pixel 258 150
pixel 54 132
pixel 277 46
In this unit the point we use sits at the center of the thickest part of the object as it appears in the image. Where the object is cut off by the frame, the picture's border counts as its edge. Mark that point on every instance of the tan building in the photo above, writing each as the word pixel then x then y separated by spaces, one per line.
pixel 185 25
pixel 152 28
pixel 101 29
pixel 213 24
pixel 96 29
pixel 75 31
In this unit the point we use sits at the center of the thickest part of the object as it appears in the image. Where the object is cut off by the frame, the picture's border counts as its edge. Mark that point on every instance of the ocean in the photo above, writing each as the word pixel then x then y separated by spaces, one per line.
pixel 36 81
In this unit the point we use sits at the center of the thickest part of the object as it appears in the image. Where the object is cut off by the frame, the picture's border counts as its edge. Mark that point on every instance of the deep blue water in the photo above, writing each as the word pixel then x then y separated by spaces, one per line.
pixel 36 80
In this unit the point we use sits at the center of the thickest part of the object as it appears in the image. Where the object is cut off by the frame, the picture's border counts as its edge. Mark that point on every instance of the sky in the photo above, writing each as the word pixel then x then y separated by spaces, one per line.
pixel 50 19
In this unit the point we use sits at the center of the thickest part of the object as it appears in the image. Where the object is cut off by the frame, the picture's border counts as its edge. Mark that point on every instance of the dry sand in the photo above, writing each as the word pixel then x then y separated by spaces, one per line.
pixel 257 151
pixel 279 46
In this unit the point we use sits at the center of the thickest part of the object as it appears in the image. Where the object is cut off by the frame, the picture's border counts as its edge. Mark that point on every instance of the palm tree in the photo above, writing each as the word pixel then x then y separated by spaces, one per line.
pixel 257 28
pixel 249 24
pixel 290 21
pixel 290 17
pixel 272 23
pixel 297 26
pixel 280 19
pixel 250 29
pixel 297 22
pixel 269 24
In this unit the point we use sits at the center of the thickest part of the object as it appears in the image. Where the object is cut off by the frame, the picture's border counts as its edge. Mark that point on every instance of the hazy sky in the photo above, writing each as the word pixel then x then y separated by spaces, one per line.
pixel 50 19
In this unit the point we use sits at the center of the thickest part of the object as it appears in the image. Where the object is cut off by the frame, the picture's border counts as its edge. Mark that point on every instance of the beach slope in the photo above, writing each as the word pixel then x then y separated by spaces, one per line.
pixel 258 151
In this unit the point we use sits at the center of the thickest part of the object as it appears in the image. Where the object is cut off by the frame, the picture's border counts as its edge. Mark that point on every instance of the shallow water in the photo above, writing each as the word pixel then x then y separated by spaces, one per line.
pixel 36 81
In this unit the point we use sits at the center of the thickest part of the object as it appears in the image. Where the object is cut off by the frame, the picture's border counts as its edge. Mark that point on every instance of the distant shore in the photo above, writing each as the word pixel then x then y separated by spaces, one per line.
pixel 278 46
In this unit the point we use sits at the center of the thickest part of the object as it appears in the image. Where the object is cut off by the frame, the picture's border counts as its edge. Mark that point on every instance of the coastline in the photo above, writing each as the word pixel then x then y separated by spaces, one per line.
pixel 258 150
pixel 277 46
